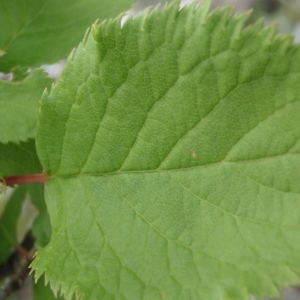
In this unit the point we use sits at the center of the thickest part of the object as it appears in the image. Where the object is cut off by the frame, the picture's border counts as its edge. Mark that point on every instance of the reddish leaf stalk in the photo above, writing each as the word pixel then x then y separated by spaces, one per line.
pixel 23 179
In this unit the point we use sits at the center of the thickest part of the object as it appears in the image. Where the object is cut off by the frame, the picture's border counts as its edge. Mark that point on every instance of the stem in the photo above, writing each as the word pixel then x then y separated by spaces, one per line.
pixel 23 179
pixel 15 269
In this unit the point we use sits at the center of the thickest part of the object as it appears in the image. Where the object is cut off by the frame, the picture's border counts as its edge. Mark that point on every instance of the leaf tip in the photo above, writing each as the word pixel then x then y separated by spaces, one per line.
pixel 72 54
pixel 86 35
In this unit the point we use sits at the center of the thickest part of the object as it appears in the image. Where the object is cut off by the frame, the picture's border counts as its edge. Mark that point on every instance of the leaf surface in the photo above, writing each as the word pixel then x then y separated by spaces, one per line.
pixel 19 101
pixel 37 32
pixel 172 149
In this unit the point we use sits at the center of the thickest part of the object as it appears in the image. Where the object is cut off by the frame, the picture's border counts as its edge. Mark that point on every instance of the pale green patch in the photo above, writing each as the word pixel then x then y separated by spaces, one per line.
pixel 172 146
pixel 19 102
pixel 37 32
pixel 25 221
pixel 2 193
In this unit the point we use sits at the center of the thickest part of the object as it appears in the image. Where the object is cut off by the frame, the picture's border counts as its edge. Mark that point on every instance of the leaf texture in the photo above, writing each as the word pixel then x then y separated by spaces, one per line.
pixel 172 149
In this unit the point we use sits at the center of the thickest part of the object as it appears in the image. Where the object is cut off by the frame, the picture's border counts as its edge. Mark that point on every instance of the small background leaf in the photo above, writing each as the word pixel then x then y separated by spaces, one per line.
pixel 41 228
pixel 19 158
pixel 10 236
pixel 19 106
pixel 8 222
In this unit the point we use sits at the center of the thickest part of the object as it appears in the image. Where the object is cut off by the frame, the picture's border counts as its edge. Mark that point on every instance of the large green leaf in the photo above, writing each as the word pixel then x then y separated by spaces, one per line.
pixel 19 103
pixel 172 149
pixel 34 32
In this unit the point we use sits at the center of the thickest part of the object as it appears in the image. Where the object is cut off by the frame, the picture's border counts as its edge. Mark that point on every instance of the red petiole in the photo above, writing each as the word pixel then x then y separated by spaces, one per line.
pixel 23 179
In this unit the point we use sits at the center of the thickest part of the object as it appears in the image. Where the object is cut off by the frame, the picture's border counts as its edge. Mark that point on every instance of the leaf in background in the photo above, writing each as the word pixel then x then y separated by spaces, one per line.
pixel 41 228
pixel 12 215
pixel 8 222
pixel 19 103
pixel 37 32
pixel 172 148
pixel 19 159
pixel 19 73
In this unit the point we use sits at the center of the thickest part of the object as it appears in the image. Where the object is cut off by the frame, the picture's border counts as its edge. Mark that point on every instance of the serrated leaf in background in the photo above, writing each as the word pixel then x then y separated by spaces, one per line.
pixel 45 31
pixel 8 222
pixel 172 149
pixel 19 106
pixel 20 73
pixel 19 159
pixel 41 228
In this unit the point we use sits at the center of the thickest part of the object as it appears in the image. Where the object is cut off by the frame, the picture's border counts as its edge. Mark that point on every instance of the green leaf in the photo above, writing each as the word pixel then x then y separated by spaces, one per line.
pixel 44 31
pixel 8 222
pixel 19 73
pixel 19 106
pixel 19 159
pixel 41 228
pixel 172 148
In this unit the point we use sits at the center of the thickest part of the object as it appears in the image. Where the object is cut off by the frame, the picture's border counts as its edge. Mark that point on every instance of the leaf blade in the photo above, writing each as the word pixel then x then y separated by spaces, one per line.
pixel 159 160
